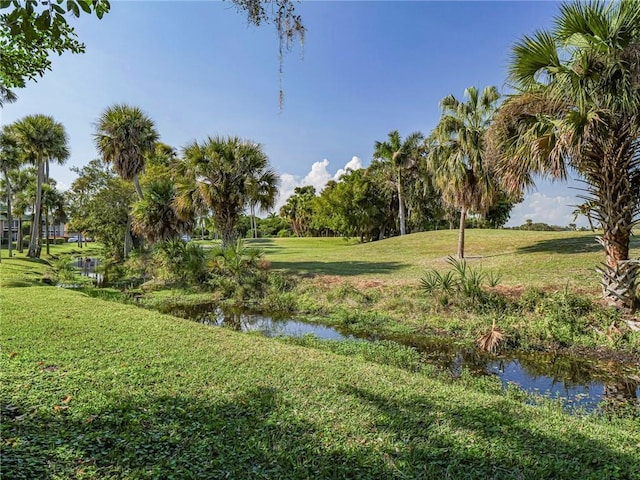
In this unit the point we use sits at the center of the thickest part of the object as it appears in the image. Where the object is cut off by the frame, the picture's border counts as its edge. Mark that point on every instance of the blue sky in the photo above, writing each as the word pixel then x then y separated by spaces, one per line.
pixel 198 69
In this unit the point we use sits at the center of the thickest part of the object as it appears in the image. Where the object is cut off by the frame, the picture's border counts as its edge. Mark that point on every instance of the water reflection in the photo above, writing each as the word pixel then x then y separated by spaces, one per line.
pixel 577 382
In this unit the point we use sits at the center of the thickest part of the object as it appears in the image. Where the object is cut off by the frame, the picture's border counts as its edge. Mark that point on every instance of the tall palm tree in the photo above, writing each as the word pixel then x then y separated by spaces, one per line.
pixel 20 182
pixel 124 136
pixel 155 216
pixel 40 138
pixel 400 156
pixel 218 174
pixel 9 161
pixel 577 107
pixel 263 190
pixel 457 156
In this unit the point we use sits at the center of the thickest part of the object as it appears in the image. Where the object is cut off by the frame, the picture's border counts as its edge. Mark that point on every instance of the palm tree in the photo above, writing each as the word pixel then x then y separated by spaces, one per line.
pixel 40 139
pixel 457 156
pixel 400 156
pixel 54 205
pixel 20 182
pixel 9 161
pixel 263 190
pixel 155 216
pixel 219 174
pixel 577 108
pixel 6 96
pixel 124 136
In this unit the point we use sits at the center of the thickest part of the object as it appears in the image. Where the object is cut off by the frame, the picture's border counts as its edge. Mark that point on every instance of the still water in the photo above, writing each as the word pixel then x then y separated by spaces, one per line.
pixel 576 382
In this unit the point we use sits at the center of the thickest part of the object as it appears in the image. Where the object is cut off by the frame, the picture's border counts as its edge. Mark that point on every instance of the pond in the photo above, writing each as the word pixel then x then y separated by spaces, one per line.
pixel 576 382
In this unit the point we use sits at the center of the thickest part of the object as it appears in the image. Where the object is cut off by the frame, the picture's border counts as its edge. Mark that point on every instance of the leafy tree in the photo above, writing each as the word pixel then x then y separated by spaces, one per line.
pixel 40 139
pixel 400 156
pixel 577 107
pixel 457 154
pixel 220 174
pixel 35 29
pixel 356 205
pixel 99 203
pixel 498 214
pixel 272 225
pixel 298 210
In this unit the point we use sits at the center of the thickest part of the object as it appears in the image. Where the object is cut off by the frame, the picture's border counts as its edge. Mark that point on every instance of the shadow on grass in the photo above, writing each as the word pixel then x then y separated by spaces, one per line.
pixel 345 268
pixel 564 245
pixel 258 434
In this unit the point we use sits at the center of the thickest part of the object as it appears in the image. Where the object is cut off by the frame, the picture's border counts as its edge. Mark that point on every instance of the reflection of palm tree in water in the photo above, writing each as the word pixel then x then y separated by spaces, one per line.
pixel 233 320
pixel 621 394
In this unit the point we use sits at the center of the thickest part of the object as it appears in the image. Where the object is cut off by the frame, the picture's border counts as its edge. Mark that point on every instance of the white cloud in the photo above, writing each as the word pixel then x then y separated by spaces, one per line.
pixel 318 177
pixel 354 164
pixel 541 208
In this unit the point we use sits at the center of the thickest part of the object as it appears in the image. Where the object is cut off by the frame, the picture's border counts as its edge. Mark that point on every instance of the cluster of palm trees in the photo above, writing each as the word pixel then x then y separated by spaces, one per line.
pixel 39 140
pixel 221 176
pixel 453 156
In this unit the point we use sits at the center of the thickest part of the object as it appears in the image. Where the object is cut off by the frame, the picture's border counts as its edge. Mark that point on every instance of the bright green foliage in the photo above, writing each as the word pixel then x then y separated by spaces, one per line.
pixel 355 206
pixel 31 31
pixel 124 136
pixel 99 205
pixel 236 260
pixel 299 210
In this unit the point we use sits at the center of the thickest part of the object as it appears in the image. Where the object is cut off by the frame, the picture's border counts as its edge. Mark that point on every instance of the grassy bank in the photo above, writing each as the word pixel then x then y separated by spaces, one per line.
pixel 94 389
pixel 547 297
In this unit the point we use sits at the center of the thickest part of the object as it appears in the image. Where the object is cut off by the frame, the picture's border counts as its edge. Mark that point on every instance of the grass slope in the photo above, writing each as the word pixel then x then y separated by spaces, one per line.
pixel 548 259
pixel 91 389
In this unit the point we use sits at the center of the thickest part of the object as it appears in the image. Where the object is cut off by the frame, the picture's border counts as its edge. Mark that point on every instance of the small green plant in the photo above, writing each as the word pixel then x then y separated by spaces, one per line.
pixel 461 280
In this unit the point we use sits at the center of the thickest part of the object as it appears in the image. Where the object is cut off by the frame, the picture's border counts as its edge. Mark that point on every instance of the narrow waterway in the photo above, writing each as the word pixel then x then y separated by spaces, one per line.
pixel 576 382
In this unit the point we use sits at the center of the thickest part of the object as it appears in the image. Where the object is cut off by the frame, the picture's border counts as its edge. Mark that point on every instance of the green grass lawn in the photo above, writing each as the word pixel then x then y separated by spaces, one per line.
pixel 545 259
pixel 100 390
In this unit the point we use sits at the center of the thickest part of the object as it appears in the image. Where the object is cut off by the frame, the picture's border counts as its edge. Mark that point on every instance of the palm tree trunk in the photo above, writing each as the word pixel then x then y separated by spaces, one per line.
pixel 9 216
pixel 35 242
pixel 20 247
pixel 463 219
pixel 401 206
pixel 46 226
pixel 620 274
pixel 127 239
pixel 136 183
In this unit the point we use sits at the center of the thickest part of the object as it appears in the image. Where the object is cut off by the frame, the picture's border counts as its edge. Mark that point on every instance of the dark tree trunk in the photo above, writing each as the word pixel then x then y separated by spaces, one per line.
pixel 35 242
pixel 463 219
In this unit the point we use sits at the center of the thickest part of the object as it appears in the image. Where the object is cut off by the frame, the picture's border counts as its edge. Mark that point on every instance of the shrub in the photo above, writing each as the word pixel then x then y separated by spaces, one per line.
pixel 180 261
